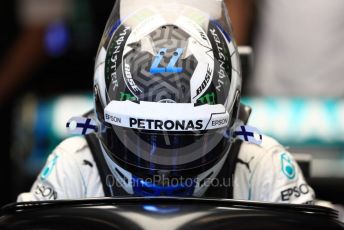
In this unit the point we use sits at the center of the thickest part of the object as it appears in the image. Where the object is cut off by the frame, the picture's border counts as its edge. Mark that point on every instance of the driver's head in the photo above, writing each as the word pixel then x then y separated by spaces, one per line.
pixel 167 88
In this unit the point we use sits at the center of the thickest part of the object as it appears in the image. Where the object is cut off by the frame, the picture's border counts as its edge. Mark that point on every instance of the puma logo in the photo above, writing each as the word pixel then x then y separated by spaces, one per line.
pixel 86 162
pixel 247 164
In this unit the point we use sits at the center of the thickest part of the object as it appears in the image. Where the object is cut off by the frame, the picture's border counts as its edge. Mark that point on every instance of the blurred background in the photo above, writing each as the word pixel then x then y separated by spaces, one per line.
pixel 47 52
pixel 293 65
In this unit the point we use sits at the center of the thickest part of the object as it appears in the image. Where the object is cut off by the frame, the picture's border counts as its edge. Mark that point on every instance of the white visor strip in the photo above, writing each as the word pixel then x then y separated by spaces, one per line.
pixel 155 116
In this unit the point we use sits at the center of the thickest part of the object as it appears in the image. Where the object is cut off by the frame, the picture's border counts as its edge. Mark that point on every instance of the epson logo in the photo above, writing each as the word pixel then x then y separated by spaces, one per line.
pixel 113 119
pixel 221 122
pixel 295 191
pixel 181 125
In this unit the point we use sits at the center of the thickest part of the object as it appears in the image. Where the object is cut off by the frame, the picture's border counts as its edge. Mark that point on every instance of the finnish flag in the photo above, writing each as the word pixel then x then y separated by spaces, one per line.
pixel 249 134
pixel 81 126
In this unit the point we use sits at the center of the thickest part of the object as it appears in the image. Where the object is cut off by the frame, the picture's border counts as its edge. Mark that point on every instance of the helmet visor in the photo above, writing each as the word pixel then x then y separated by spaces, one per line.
pixel 171 151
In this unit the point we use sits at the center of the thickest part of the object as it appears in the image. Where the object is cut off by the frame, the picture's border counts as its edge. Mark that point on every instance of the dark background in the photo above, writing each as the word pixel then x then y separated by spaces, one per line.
pixel 71 71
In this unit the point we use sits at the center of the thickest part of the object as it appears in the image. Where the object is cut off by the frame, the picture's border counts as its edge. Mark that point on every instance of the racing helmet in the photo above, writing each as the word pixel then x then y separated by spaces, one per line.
pixel 167 88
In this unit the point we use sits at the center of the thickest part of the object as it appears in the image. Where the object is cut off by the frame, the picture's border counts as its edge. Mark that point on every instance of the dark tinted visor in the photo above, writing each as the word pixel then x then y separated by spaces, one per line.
pixel 164 150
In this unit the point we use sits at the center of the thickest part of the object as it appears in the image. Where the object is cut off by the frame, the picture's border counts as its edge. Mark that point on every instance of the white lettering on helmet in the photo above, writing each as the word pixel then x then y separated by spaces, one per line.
pixel 205 82
pixel 222 71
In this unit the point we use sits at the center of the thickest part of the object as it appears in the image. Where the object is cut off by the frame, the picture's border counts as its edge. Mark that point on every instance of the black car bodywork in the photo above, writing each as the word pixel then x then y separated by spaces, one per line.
pixel 165 213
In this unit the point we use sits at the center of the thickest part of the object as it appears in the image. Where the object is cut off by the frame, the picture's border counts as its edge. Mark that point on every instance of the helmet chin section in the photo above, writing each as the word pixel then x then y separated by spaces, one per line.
pixel 121 176
pixel 180 187
pixel 204 179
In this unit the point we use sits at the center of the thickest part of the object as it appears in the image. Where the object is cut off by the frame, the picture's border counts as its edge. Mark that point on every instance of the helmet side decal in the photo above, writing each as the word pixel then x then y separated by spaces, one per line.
pixel 223 62
pixel 205 83
pixel 113 61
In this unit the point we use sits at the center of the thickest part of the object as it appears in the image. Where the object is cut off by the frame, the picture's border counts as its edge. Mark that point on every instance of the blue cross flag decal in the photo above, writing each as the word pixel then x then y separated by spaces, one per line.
pixel 81 126
pixel 249 134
